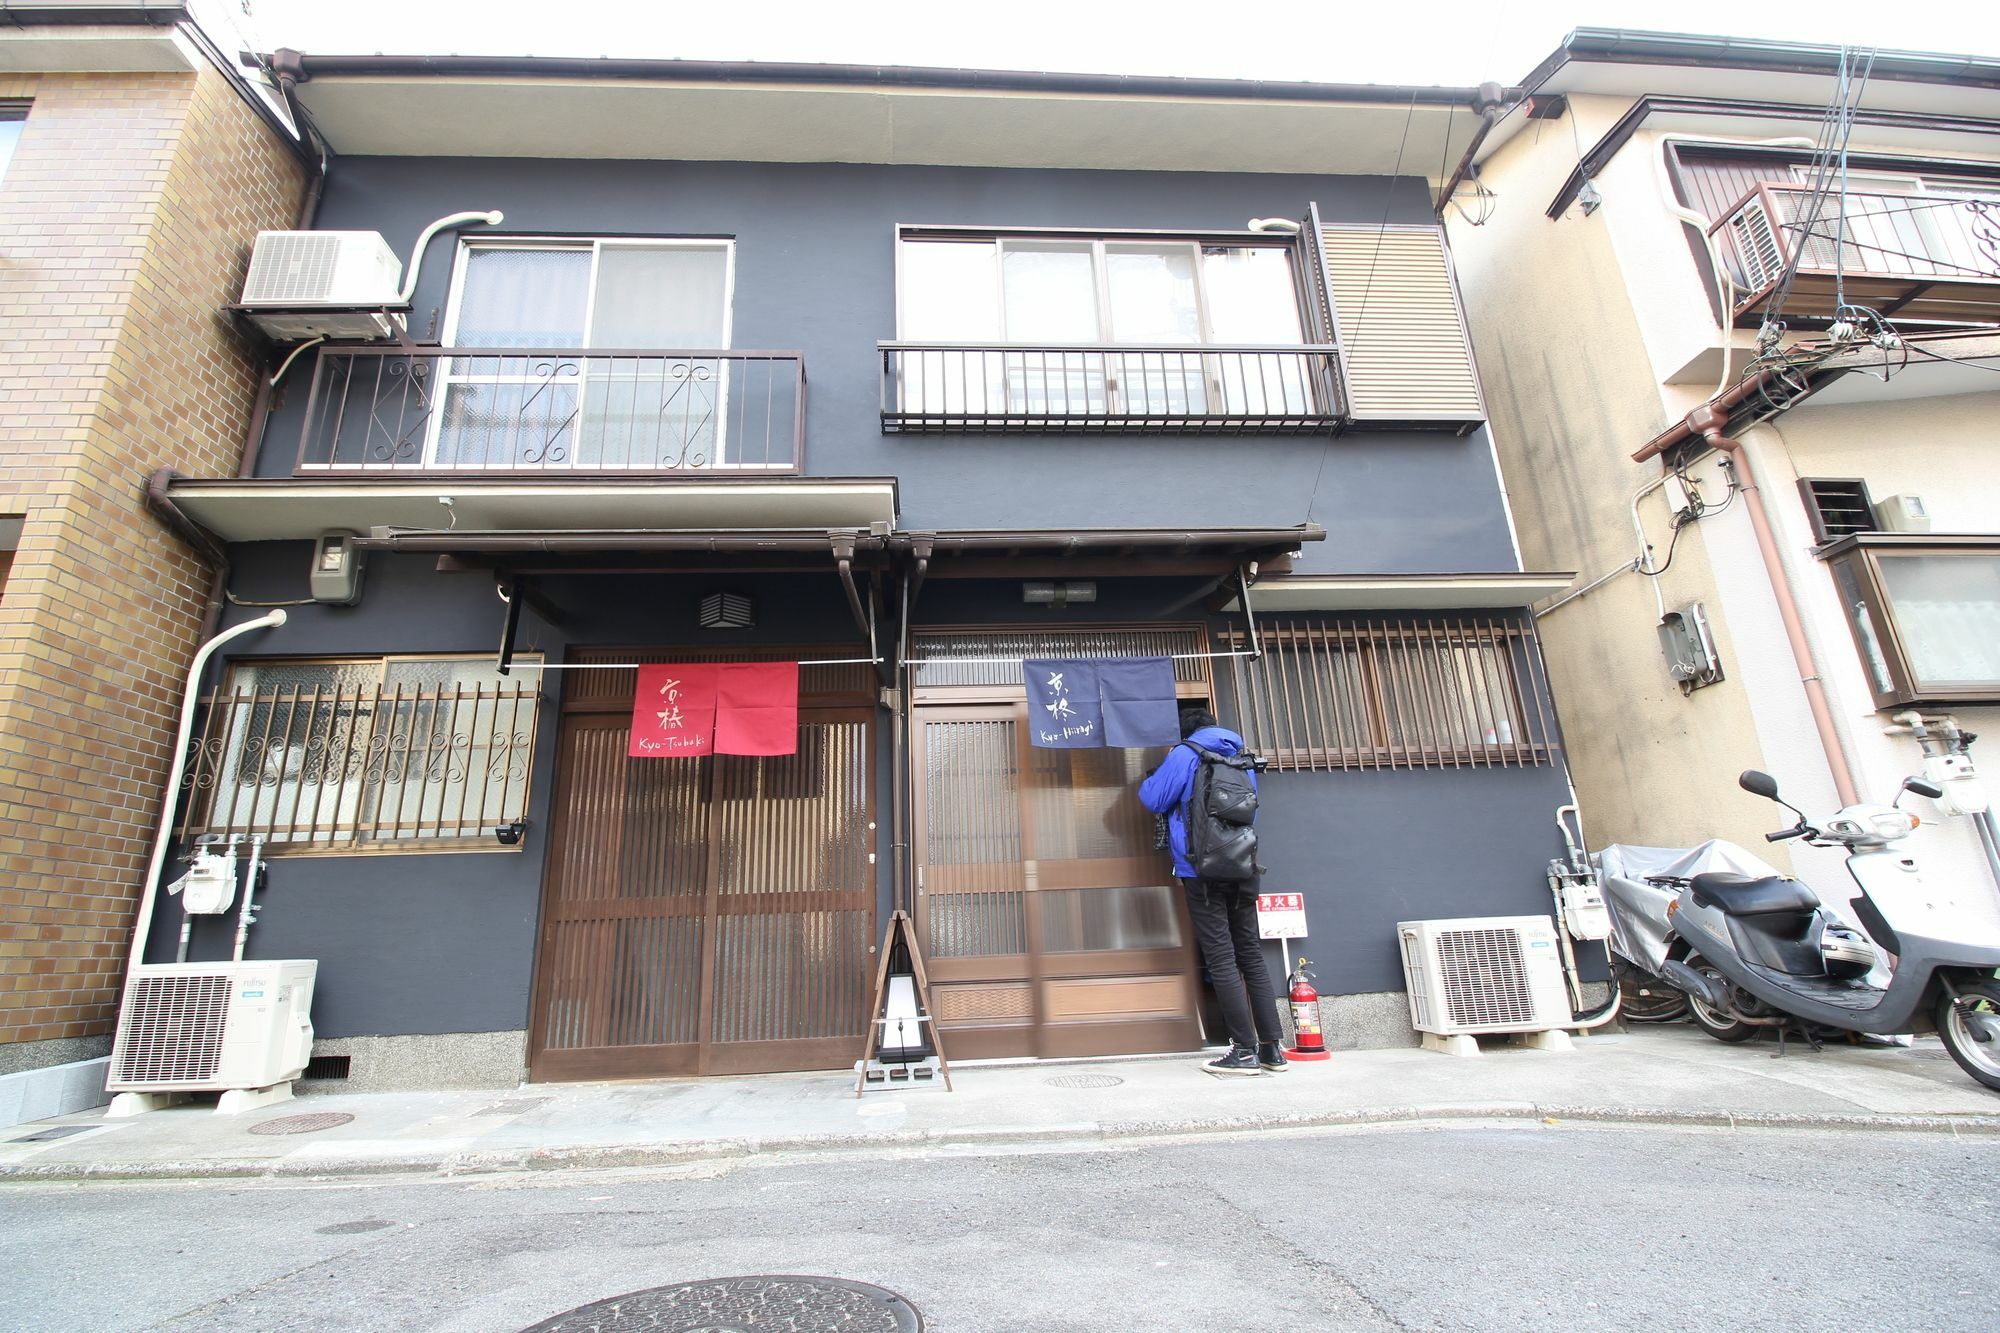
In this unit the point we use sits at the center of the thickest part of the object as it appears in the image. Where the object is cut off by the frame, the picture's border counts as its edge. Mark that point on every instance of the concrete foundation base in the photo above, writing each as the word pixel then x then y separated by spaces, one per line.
pixel 128 1104
pixel 1456 1044
pixel 1557 1040
pixel 425 1062
pixel 52 1090
pixel 238 1100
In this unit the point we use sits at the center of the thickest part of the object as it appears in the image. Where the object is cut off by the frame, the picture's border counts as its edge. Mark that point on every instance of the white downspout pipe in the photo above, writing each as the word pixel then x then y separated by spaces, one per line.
pixel 150 890
pixel 492 218
pixel 247 917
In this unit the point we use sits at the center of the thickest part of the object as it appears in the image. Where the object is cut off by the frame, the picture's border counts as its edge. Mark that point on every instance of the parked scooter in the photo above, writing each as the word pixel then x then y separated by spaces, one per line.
pixel 1756 951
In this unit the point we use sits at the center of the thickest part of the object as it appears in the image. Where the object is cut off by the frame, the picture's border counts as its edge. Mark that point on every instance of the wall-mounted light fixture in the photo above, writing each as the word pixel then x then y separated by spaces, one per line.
pixel 1058 594
pixel 727 610
pixel 509 835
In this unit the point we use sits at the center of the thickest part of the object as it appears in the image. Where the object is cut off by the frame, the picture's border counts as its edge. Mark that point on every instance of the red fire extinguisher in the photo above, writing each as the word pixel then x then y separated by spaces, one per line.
pixel 1310 1044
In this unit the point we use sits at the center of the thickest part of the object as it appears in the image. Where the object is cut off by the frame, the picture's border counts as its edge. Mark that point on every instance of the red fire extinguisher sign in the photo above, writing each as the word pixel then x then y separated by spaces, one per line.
pixel 1281 916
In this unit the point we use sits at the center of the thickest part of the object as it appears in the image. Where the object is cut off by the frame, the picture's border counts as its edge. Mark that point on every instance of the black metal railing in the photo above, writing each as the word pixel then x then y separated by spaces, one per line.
pixel 507 410
pixel 1109 389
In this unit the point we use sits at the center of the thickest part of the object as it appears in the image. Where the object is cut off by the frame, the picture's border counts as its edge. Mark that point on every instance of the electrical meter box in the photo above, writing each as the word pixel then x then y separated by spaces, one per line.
pixel 336 569
pixel 1903 513
pixel 1689 647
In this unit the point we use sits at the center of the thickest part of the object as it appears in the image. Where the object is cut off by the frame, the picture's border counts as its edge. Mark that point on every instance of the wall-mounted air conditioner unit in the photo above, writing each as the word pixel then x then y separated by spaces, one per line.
pixel 213 1027
pixel 1484 974
pixel 323 284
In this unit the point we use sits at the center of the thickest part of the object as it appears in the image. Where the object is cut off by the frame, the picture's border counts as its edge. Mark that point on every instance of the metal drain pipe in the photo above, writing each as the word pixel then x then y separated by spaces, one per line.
pixel 150 890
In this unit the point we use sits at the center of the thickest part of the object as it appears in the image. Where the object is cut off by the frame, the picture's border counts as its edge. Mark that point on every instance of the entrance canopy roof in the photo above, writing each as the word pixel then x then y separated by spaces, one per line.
pixel 281 509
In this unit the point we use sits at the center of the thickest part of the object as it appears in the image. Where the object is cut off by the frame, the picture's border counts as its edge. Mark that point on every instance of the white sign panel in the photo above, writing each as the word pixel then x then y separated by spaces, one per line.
pixel 1281 916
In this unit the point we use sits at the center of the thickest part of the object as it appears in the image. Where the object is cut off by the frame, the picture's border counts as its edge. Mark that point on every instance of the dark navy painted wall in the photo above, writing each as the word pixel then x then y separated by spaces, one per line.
pixel 815 272
pixel 442 942
pixel 445 942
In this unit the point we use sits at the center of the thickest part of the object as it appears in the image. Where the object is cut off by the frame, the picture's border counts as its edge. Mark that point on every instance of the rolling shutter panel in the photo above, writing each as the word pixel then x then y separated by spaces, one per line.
pixel 1404 350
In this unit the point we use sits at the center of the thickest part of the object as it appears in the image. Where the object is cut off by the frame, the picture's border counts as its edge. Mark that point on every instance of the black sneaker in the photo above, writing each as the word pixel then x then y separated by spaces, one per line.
pixel 1271 1058
pixel 1238 1060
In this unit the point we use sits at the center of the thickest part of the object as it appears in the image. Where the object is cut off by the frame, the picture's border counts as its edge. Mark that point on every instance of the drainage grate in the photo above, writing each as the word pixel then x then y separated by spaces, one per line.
pixel 1084 1081
pixel 769 1304
pixel 302 1124
pixel 52 1133
pixel 328 1066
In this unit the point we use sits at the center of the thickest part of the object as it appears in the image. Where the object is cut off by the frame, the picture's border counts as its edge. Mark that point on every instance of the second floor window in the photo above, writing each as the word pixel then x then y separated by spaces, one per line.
pixel 1057 329
pixel 638 314
pixel 1036 291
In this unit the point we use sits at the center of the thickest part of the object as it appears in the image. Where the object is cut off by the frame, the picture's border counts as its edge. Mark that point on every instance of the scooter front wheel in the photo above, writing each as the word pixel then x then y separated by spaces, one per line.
pixel 1963 1022
pixel 1721 1026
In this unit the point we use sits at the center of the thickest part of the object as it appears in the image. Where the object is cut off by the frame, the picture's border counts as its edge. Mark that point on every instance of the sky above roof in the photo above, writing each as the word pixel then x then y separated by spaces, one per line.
pixel 1450 42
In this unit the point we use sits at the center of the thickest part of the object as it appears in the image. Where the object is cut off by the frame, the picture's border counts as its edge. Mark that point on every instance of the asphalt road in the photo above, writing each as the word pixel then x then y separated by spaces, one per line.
pixel 1488 1228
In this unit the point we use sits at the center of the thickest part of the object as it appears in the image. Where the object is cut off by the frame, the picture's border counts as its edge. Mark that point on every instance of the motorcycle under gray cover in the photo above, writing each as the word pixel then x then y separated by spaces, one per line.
pixel 1639 922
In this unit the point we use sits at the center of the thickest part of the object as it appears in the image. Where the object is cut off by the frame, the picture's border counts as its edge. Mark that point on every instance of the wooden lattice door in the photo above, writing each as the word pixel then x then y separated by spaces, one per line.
pixel 707 915
pixel 1050 924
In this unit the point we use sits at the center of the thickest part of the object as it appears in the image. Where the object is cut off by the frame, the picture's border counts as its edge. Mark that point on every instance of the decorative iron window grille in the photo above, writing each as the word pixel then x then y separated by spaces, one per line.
pixel 403 753
pixel 1456 693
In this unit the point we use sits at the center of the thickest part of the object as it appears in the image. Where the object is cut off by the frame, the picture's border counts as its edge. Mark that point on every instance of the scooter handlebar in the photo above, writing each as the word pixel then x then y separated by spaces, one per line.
pixel 1786 834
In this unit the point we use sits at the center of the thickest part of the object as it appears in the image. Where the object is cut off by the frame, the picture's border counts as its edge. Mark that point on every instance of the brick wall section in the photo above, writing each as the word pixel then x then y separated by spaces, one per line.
pixel 125 223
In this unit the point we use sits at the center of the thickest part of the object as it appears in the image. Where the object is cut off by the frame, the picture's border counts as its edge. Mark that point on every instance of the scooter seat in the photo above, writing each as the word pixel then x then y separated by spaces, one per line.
pixel 1745 895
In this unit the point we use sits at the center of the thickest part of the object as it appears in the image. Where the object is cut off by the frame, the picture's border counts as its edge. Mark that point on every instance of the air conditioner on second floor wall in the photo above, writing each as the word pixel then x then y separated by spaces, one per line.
pixel 323 284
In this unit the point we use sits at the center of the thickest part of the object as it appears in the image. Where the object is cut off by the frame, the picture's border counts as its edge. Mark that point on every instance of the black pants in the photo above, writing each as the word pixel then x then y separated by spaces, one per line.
pixel 1225 926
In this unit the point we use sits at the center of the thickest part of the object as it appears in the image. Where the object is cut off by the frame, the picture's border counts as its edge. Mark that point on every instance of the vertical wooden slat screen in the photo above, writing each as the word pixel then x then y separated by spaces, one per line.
pixel 1394 693
pixel 932 647
pixel 795 888
pixel 1405 353
pixel 972 849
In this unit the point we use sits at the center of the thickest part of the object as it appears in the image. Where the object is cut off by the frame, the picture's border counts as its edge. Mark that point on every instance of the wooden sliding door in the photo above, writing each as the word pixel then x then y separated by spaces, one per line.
pixel 1051 926
pixel 708 915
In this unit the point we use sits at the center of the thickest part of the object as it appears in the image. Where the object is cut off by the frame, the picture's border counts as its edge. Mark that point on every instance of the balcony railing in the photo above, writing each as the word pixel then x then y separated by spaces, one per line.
pixel 1914 257
pixel 542 411
pixel 1097 389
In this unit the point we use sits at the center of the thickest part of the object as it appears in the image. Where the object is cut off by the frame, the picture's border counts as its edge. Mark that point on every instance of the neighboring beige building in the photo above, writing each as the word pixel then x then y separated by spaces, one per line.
pixel 1593 303
pixel 136 167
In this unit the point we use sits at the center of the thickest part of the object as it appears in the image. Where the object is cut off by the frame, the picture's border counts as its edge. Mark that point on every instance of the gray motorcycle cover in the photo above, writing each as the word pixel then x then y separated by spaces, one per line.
pixel 1639 923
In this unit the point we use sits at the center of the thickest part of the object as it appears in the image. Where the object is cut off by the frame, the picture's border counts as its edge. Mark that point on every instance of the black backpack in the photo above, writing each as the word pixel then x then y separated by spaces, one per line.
pixel 1220 814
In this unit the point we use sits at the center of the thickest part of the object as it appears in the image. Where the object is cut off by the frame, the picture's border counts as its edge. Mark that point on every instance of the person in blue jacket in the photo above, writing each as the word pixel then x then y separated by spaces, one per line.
pixel 1224 914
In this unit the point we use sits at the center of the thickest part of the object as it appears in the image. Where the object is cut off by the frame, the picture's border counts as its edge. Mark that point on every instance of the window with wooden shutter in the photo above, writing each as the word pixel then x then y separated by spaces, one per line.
pixel 1405 353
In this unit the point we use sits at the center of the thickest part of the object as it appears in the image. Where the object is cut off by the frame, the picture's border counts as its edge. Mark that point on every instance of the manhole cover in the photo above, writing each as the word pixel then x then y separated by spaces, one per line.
pixel 1084 1081
pixel 778 1304
pixel 302 1124
pixel 351 1228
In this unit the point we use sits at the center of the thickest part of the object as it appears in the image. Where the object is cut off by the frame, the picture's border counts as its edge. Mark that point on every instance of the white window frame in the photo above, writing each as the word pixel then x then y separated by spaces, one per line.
pixel 1213 381
pixel 595 245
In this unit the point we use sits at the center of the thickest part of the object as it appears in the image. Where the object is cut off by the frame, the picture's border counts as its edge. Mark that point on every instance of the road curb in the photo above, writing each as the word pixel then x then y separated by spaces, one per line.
pixel 688 1152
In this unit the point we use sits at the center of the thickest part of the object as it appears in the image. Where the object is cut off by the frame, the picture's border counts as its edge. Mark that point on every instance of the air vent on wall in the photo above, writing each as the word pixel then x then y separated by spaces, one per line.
pixel 1837 506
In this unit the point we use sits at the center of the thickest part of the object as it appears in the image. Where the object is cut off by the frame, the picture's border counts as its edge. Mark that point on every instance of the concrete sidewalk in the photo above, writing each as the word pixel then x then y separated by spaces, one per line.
pixel 1673 1075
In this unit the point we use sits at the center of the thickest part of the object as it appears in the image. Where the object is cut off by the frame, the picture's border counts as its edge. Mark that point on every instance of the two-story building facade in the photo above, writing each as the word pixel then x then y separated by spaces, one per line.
pixel 904 376
pixel 1738 301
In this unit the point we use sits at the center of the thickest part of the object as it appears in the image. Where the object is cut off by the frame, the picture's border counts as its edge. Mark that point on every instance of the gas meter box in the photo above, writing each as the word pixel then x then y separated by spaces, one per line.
pixel 209 885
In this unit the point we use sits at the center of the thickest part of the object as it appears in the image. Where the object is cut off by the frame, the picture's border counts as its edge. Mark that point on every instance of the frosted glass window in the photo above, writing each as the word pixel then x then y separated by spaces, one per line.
pixel 514 297
pixel 950 291
pixel 1251 295
pixel 1152 294
pixel 1051 292
pixel 666 296
pixel 1947 611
